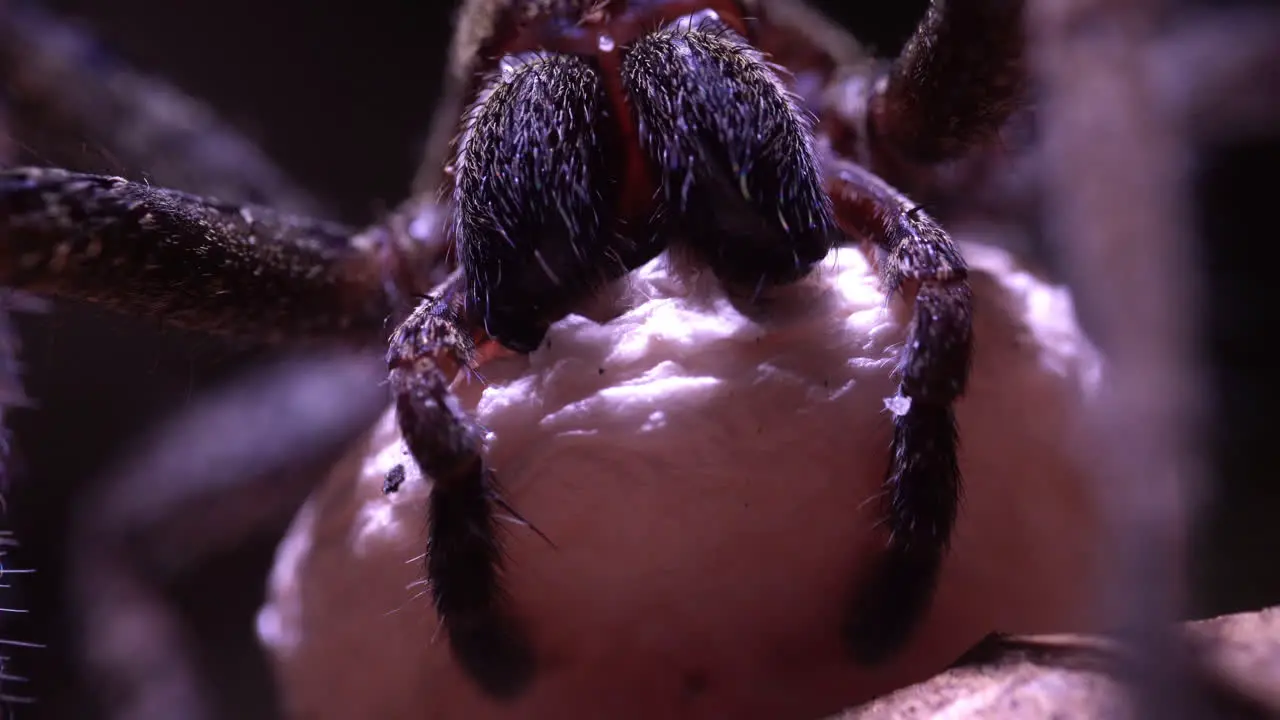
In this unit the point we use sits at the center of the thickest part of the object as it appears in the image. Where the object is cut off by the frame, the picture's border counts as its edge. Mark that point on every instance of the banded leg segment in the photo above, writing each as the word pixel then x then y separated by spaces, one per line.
pixel 188 261
pixel 464 552
pixel 922 485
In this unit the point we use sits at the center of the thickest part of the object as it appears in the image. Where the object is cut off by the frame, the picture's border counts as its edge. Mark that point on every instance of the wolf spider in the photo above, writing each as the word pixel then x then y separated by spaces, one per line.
pixel 577 140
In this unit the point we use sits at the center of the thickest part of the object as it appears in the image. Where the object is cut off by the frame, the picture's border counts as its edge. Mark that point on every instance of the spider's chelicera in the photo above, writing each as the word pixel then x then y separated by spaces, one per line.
pixel 579 139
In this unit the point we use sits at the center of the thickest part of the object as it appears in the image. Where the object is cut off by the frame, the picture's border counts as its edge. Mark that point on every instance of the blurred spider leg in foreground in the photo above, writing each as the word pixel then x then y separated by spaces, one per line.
pixel 235 461
pixel 1117 199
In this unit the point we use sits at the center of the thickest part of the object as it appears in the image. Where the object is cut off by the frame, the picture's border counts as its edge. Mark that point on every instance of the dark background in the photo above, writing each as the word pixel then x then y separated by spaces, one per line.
pixel 340 94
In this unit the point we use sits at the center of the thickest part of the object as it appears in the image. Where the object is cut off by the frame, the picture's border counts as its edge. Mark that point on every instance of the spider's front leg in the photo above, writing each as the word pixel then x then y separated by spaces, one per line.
pixel 916 256
pixel 464 555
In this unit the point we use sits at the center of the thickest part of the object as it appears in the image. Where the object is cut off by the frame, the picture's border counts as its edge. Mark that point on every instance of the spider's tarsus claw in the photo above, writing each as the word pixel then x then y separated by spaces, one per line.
pixel 464 567
pixel 896 596
pixel 924 486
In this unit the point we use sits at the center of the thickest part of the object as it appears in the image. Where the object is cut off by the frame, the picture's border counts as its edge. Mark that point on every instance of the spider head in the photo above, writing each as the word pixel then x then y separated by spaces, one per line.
pixel 599 132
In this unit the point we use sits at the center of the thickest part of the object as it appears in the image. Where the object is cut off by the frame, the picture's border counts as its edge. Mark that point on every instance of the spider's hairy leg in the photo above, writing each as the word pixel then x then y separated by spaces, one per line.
pixel 189 261
pixel 923 485
pixel 67 94
pixel 464 554
pixel 534 215
pixel 956 82
pixel 236 461
pixel 744 191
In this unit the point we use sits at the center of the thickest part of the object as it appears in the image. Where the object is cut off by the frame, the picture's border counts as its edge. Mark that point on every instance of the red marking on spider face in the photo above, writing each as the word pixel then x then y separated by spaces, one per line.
pixel 602 32
pixel 601 29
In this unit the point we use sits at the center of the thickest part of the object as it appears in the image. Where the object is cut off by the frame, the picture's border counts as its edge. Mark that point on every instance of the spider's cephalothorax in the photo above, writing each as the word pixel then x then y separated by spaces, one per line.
pixel 580 139
pixel 583 113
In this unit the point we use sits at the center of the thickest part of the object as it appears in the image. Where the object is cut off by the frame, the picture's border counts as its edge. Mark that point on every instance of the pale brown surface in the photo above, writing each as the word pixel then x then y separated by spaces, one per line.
pixel 1241 653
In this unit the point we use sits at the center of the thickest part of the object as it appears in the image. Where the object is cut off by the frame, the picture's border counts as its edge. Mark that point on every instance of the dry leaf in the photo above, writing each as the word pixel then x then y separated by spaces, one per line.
pixel 1237 661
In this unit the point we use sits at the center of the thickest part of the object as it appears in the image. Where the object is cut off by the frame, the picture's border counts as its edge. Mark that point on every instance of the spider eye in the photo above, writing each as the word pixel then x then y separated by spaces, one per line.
pixel 732 151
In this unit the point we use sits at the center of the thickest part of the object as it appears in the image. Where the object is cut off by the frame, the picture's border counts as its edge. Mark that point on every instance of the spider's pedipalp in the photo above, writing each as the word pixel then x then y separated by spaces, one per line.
pixel 923 483
pixel 534 203
pixel 956 82
pixel 734 154
pixel 187 261
pixel 464 554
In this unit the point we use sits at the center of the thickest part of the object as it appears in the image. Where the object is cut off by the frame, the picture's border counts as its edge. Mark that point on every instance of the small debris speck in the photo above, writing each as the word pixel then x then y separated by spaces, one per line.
pixel 393 481
pixel 898 405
